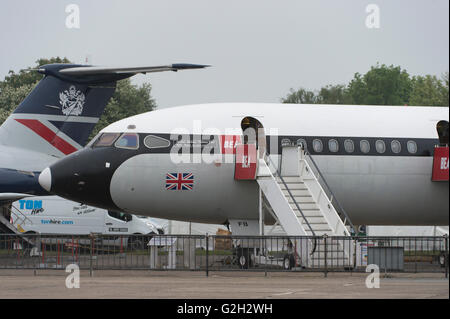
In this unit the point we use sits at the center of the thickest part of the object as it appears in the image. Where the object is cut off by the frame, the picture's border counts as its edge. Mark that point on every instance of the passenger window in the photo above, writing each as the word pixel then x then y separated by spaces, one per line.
pixel 317 146
pixel 302 142
pixel 333 145
pixel 128 140
pixel 106 139
pixel 349 146
pixel 396 146
pixel 380 146
pixel 412 147
pixel 364 146
pixel 152 141
pixel 285 142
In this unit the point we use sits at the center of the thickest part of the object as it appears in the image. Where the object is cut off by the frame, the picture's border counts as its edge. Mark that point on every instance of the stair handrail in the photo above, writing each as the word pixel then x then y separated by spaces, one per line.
pixel 269 163
pixel 17 212
pixel 331 196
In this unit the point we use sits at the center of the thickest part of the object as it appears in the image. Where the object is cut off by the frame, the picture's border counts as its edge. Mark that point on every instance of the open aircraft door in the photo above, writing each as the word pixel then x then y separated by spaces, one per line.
pixel 441 154
pixel 253 146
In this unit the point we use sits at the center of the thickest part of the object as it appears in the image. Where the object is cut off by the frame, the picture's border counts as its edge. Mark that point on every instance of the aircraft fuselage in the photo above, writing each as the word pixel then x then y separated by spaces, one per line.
pixel 380 170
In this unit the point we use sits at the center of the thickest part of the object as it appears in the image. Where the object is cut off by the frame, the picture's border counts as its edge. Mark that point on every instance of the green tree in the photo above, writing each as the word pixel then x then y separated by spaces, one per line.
pixel 428 90
pixel 357 89
pixel 334 94
pixel 381 85
pixel 127 100
pixel 330 94
pixel 3 115
pixel 29 75
pixel 11 97
pixel 16 86
pixel 444 90
pixel 300 96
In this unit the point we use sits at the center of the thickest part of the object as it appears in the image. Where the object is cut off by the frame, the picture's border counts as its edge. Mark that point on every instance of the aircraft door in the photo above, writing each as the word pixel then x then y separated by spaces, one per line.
pixel 441 154
pixel 253 133
pixel 442 130
pixel 252 148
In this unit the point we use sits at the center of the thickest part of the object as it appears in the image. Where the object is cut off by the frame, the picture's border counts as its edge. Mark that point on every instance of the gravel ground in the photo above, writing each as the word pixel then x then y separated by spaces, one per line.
pixel 229 285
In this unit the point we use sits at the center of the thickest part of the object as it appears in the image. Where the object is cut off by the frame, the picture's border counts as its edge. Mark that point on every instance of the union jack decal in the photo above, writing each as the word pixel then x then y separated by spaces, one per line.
pixel 179 181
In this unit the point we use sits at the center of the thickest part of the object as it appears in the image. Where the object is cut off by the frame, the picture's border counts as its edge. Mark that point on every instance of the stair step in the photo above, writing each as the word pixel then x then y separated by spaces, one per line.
pixel 292 187
pixel 308 213
pixel 307 209
pixel 304 206
pixel 312 220
pixel 317 227
pixel 290 179
pixel 7 227
pixel 301 199
pixel 296 192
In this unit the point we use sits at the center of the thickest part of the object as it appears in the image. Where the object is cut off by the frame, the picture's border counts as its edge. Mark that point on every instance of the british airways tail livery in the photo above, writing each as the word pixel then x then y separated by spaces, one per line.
pixel 56 119
pixel 180 163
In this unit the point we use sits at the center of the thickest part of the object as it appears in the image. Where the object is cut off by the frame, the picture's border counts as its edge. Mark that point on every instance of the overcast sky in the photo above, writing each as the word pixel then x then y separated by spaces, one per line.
pixel 258 49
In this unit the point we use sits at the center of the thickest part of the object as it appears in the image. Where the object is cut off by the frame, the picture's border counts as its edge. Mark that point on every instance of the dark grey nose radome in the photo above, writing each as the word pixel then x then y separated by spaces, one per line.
pixel 83 176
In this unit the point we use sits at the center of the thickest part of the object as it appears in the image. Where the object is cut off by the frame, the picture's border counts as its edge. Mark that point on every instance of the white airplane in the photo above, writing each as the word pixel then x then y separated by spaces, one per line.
pixel 56 119
pixel 175 163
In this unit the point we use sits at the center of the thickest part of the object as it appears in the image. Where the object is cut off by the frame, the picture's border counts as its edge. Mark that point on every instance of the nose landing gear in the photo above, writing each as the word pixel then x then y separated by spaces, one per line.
pixel 288 262
pixel 245 258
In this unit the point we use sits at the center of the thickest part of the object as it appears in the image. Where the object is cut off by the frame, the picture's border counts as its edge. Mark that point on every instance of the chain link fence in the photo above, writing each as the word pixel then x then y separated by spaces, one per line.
pixel 225 253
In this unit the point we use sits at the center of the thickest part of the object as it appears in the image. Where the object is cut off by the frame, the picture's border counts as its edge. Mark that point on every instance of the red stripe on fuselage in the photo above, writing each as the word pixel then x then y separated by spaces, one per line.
pixel 48 135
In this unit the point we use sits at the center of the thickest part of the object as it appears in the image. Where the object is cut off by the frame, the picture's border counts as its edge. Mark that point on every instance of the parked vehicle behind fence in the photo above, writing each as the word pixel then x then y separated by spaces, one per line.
pixel 57 216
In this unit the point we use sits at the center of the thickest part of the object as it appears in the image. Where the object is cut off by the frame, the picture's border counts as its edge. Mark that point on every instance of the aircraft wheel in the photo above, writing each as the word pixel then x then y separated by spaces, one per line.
pixel 136 243
pixel 288 262
pixel 245 258
pixel 442 259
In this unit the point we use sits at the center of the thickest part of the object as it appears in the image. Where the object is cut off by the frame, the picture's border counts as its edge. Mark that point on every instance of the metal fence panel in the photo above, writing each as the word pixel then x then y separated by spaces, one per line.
pixel 224 253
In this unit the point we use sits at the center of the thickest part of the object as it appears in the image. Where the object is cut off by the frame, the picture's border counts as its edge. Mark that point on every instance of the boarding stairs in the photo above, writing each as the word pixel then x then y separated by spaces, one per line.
pixel 304 205
pixel 20 219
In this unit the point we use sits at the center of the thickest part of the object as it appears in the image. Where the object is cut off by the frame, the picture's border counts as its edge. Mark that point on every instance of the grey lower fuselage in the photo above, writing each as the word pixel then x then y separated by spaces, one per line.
pixel 373 190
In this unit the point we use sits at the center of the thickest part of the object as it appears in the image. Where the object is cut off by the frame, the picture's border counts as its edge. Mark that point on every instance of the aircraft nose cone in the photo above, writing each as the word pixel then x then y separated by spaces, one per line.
pixel 45 179
pixel 83 177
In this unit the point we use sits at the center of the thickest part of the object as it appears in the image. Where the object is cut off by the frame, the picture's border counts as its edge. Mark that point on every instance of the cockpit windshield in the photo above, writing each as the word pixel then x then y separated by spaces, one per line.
pixel 106 139
pixel 128 140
